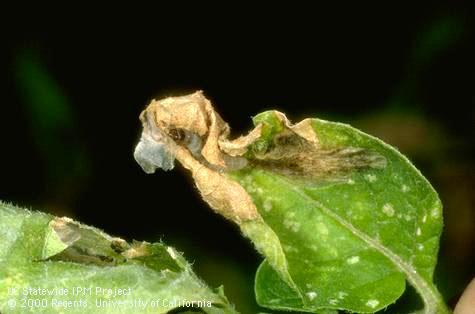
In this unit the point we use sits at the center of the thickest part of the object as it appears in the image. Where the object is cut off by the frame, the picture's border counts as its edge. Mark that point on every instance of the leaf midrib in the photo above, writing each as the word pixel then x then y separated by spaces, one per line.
pixel 431 298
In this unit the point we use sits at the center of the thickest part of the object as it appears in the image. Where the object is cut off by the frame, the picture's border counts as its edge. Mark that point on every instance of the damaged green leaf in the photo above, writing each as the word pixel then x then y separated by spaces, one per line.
pixel 46 256
pixel 342 219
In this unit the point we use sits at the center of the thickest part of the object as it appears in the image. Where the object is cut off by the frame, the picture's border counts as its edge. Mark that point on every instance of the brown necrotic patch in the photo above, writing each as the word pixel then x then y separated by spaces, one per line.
pixel 292 155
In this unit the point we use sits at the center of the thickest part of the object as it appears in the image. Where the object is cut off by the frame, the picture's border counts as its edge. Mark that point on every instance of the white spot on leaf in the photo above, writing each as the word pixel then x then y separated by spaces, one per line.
pixel 435 212
pixel 342 295
pixel 420 247
pixel 405 188
pixel 372 303
pixel 371 177
pixel 388 209
pixel 353 260
pixel 333 301
pixel 267 205
pixel 322 229
pixel 291 224
pixel 418 231
pixel 296 227
pixel 311 295
pixel 424 219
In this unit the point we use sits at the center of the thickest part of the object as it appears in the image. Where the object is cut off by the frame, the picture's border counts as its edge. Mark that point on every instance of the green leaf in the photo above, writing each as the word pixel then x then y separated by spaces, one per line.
pixel 51 120
pixel 44 260
pixel 344 225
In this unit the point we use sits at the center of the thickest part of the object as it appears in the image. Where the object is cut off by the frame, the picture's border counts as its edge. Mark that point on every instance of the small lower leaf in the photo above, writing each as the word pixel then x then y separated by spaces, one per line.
pixel 45 260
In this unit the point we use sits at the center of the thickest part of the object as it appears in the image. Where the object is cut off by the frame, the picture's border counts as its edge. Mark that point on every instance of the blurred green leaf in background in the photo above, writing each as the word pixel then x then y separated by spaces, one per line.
pixel 54 130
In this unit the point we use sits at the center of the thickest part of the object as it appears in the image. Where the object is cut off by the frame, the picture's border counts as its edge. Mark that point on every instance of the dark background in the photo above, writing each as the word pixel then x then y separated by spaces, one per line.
pixel 75 84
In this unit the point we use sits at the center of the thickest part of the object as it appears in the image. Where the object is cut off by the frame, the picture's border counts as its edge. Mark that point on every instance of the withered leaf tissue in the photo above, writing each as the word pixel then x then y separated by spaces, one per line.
pixel 188 129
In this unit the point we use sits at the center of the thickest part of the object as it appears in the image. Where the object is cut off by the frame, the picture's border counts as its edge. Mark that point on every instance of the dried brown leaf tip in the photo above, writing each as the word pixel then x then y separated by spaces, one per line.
pixel 187 128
